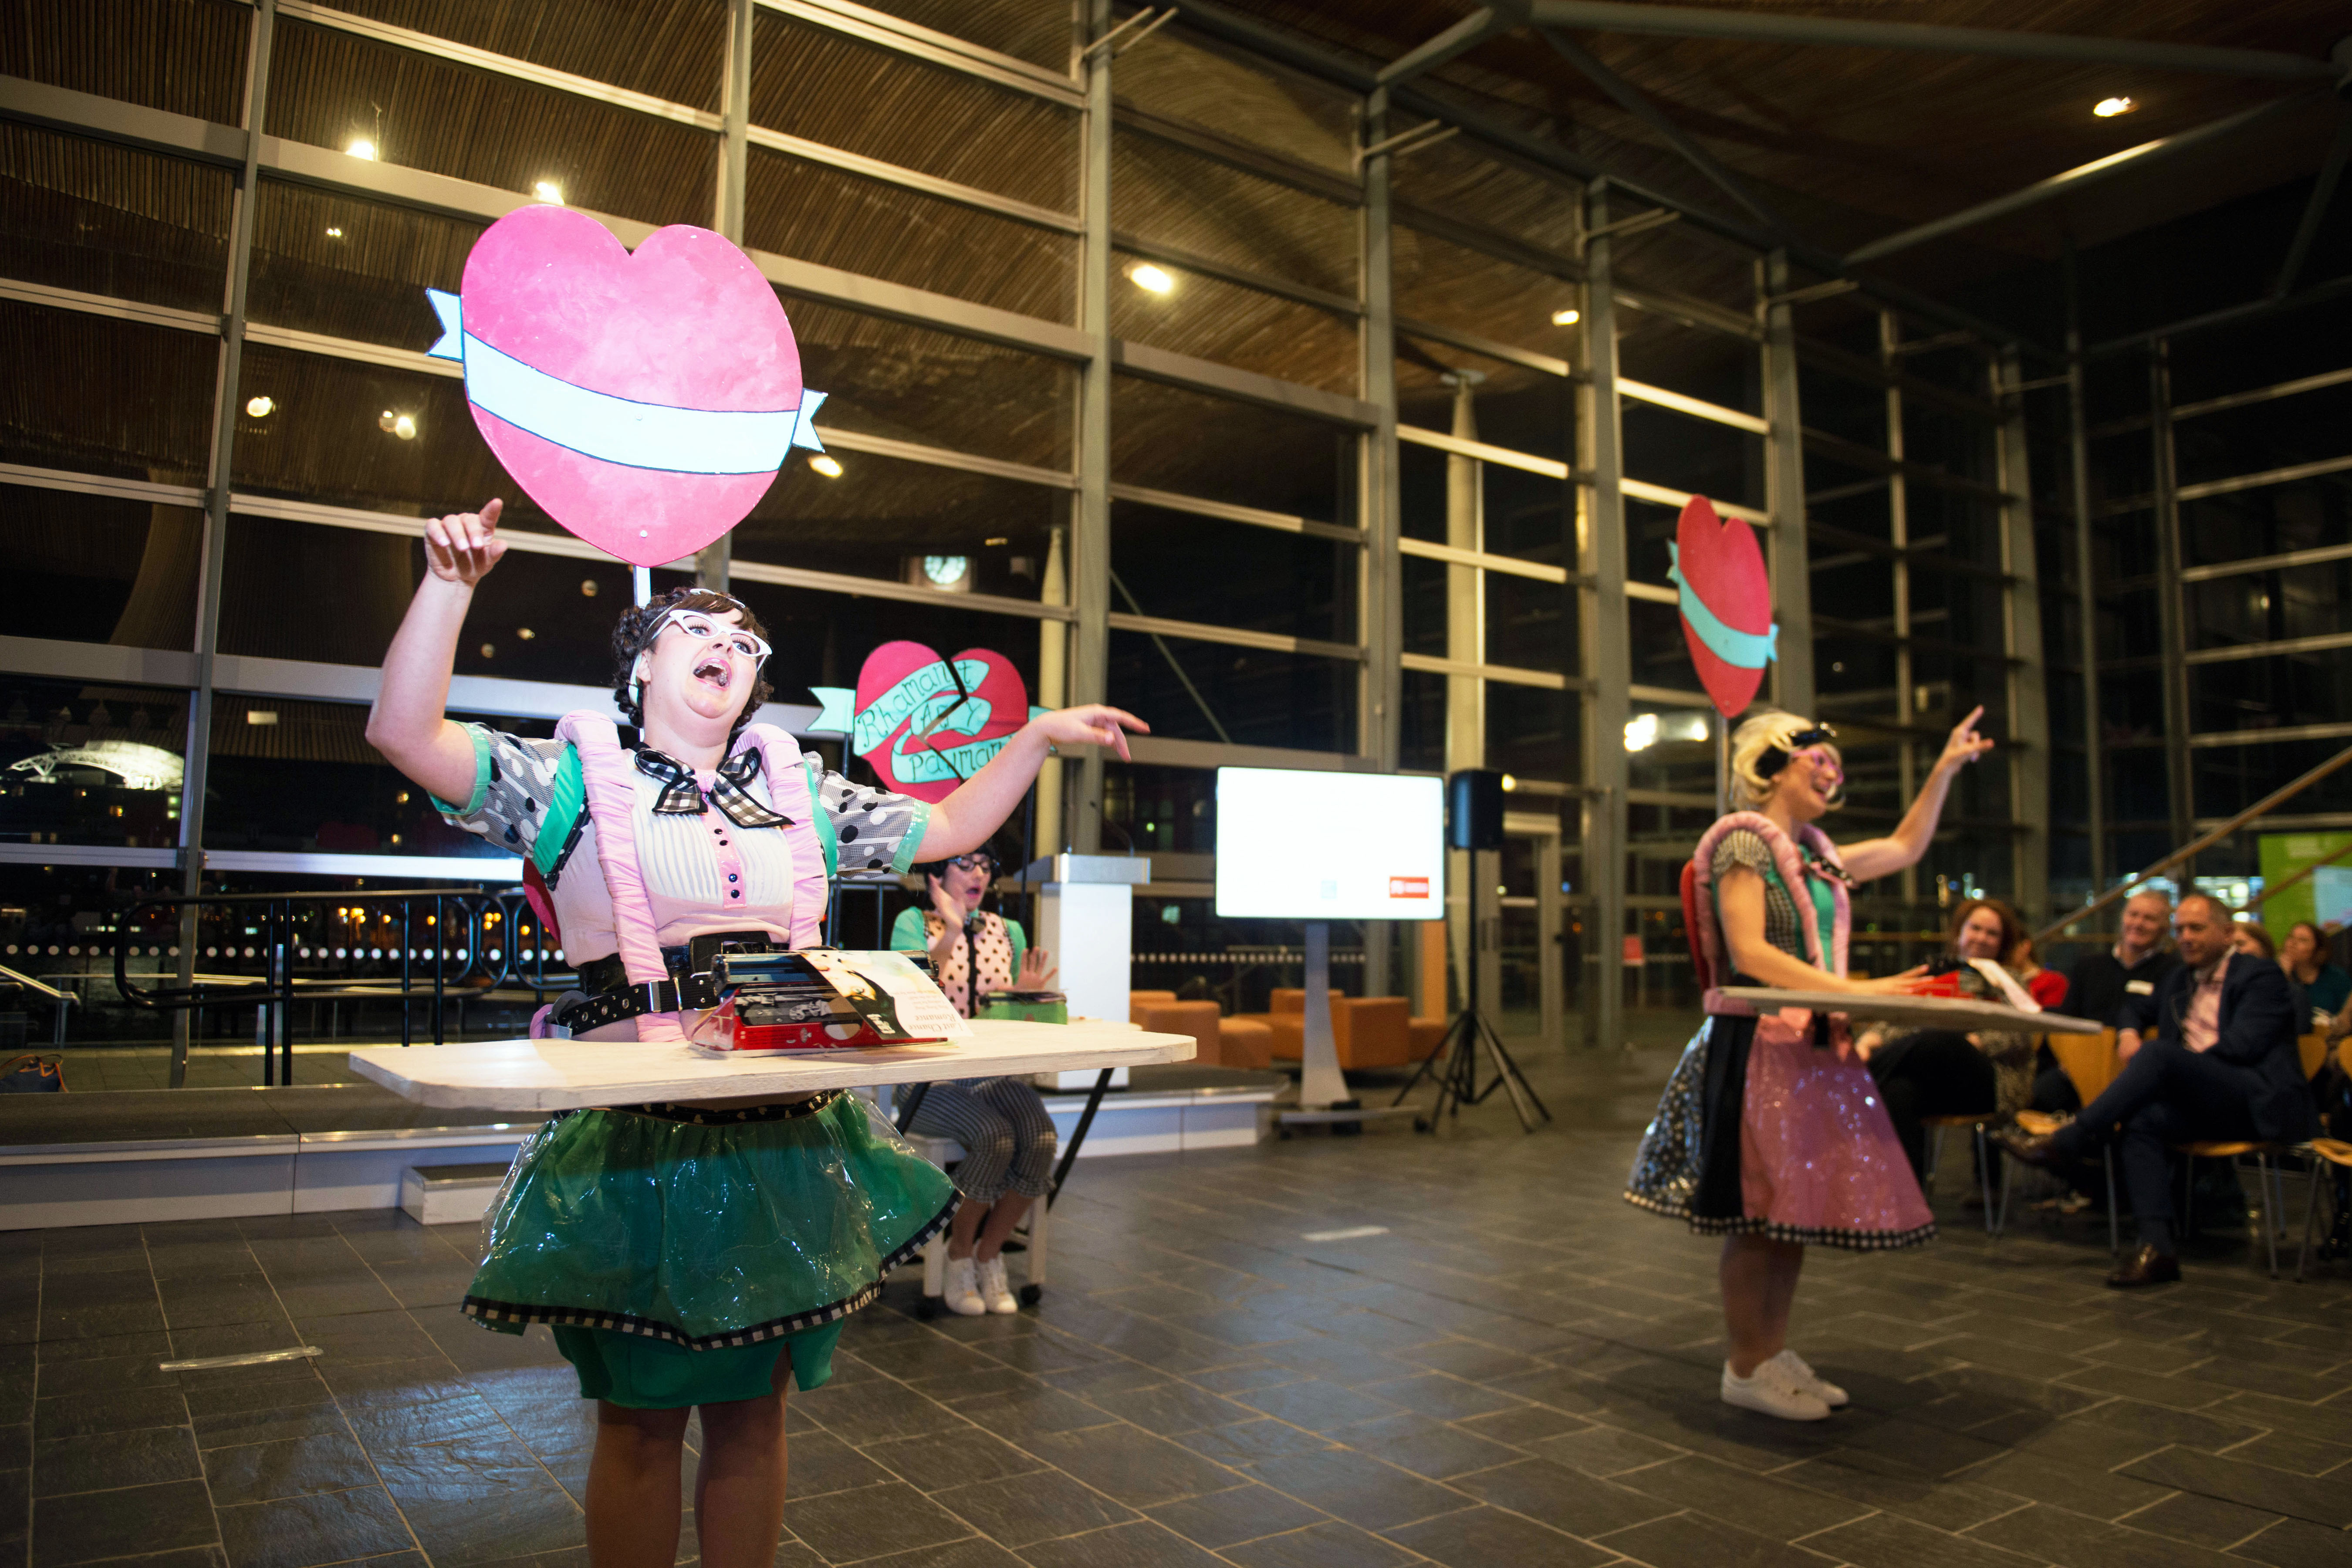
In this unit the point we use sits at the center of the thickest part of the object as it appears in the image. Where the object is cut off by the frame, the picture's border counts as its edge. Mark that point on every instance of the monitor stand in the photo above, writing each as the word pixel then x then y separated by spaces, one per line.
pixel 1323 1094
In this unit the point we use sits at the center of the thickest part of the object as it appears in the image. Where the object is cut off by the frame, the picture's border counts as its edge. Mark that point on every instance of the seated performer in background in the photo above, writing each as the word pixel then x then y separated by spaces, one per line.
pixel 1771 1133
pixel 1944 1072
pixel 2214 1056
pixel 685 1255
pixel 1008 1139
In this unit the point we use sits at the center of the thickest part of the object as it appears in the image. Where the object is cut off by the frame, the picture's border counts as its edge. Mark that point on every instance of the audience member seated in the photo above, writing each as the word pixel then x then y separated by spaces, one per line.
pixel 2212 1056
pixel 2325 986
pixel 2103 986
pixel 1943 1072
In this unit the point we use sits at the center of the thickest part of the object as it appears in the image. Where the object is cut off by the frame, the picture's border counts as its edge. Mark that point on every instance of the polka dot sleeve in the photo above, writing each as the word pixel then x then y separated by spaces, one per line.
pixel 514 778
pixel 878 829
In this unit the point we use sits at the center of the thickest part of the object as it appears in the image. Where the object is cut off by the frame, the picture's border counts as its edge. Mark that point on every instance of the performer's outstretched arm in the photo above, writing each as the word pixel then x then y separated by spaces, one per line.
pixel 1877 857
pixel 409 722
pixel 980 804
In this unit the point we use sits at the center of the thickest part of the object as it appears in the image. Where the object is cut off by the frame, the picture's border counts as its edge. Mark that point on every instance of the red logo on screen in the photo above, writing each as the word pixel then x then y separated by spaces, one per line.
pixel 1407 887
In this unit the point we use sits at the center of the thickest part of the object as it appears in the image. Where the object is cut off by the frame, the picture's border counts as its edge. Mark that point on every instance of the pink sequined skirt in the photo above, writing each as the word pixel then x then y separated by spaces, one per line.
pixel 1819 1160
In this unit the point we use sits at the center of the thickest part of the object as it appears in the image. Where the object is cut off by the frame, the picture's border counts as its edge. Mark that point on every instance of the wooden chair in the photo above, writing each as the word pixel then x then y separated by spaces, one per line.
pixel 2313 1051
pixel 1995 1221
pixel 2325 1154
pixel 2090 1064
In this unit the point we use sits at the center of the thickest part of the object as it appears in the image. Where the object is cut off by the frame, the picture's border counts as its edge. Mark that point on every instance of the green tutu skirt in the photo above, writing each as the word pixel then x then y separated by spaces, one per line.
pixel 709 1229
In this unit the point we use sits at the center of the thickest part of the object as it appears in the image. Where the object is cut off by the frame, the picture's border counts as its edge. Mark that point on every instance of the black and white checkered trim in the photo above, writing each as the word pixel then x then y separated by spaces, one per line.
pixel 490 1314
pixel 1809 1236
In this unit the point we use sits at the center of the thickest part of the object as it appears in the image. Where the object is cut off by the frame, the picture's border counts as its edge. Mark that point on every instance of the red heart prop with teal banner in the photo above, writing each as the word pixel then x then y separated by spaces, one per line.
pixel 928 723
pixel 1726 601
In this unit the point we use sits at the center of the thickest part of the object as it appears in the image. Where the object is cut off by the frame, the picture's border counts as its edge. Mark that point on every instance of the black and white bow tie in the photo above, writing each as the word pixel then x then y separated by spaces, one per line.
pixel 730 790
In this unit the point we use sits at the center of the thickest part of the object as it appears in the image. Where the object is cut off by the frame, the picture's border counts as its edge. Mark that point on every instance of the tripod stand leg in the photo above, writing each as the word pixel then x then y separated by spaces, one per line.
pixel 1514 1081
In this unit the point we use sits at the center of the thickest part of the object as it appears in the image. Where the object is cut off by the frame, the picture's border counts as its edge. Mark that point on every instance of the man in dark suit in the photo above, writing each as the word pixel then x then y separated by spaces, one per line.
pixel 2213 1056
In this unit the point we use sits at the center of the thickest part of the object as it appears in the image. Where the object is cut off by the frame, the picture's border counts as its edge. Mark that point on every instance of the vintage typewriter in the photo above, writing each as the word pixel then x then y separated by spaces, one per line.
pixel 785 1001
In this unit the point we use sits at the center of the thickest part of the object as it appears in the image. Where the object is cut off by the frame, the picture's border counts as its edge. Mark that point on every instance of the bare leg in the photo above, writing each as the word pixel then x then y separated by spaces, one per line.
pixel 1001 1219
pixel 965 1232
pixel 1759 1280
pixel 633 1487
pixel 738 1488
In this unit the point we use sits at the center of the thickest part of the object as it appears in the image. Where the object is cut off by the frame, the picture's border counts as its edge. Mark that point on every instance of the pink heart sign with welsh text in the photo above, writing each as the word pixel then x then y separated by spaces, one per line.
pixel 645 400
pixel 928 723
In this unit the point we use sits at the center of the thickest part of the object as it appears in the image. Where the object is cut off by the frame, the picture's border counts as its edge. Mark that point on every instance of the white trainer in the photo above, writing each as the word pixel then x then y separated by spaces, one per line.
pixel 1770 1390
pixel 992 1288
pixel 1812 1382
pixel 962 1295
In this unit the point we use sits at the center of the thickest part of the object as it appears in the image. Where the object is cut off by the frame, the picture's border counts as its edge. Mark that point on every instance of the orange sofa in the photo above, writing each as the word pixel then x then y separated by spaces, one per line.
pixel 1161 1014
pixel 1369 1031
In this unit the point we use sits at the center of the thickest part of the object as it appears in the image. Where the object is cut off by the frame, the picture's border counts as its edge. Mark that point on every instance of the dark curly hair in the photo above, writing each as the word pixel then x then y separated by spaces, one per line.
pixel 630 638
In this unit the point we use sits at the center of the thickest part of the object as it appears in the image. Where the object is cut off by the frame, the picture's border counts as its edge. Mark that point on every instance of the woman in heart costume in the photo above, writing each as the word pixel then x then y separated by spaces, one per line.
pixel 685 1254
pixel 1771 1133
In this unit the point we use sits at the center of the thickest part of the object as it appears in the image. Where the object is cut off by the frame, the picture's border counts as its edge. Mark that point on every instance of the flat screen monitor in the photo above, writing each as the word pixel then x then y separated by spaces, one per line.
pixel 1299 845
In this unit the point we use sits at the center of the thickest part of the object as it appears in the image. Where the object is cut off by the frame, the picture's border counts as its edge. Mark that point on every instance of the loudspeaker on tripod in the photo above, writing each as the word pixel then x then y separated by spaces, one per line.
pixel 1473 809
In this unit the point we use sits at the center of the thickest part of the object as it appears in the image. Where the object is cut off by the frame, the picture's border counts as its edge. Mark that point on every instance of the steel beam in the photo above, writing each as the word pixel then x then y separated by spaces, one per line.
pixel 710 567
pixel 2323 191
pixel 1090 520
pixel 1458 39
pixel 1772 27
pixel 2067 183
pixel 1899 533
pixel 1784 483
pixel 1624 95
pixel 1379 515
pixel 1607 639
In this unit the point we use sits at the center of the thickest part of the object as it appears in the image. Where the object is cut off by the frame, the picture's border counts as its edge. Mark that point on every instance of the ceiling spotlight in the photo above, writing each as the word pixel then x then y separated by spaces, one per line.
pixel 587 587
pixel 2108 108
pixel 361 147
pixel 525 633
pixel 1566 318
pixel 996 541
pixel 259 408
pixel 823 463
pixel 334 233
pixel 549 192
pixel 401 424
pixel 1150 279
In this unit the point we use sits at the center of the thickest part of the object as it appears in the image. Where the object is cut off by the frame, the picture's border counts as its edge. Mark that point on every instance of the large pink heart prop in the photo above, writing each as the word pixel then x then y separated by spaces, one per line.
pixel 928 723
pixel 1727 603
pixel 644 400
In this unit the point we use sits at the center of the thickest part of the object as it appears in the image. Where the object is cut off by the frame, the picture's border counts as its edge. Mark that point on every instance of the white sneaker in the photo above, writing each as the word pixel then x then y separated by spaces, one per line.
pixel 1812 1382
pixel 992 1288
pixel 1773 1391
pixel 962 1295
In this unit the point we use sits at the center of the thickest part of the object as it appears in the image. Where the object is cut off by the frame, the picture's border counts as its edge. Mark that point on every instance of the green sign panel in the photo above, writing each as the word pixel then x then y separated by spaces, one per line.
pixel 2324 895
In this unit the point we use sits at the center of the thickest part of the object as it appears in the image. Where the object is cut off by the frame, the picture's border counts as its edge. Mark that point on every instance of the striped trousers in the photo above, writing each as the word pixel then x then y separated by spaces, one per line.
pixel 1008 1139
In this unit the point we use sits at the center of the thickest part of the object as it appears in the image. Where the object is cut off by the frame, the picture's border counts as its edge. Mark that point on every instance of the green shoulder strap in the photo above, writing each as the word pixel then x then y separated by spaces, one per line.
pixel 566 799
pixel 825 834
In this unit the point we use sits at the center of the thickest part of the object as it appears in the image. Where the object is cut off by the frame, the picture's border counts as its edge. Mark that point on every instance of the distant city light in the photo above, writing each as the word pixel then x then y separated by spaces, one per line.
pixel 1150 279
pixel 2108 108
pixel 361 147
pixel 401 424
pixel 334 233
pixel 1640 731
pixel 824 464
pixel 549 192
pixel 1566 318
pixel 259 408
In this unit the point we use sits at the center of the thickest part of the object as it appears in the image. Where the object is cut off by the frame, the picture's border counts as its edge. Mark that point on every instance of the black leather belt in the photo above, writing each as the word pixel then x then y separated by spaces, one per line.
pixel 607 995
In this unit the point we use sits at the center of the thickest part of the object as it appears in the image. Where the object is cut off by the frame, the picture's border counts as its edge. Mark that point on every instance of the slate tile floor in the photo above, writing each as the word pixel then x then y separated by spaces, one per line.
pixel 1519 1369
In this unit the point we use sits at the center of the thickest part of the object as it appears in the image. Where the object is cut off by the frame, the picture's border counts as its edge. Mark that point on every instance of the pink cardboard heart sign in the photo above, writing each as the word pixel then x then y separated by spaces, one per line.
pixel 1727 603
pixel 926 723
pixel 645 400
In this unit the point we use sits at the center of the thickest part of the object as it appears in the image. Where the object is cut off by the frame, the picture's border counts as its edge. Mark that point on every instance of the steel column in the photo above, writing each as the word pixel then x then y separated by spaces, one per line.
pixel 2086 597
pixel 2029 698
pixel 1090 528
pixel 196 764
pixel 1898 508
pixel 1784 481
pixel 711 565
pixel 2171 620
pixel 1605 632
pixel 1379 583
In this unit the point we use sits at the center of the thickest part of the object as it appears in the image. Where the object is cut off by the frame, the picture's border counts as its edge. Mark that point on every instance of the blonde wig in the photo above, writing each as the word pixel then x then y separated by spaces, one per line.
pixel 1751 745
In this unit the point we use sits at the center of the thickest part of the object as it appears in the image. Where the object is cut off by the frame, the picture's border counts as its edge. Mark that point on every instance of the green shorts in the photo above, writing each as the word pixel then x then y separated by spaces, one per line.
pixel 647 1374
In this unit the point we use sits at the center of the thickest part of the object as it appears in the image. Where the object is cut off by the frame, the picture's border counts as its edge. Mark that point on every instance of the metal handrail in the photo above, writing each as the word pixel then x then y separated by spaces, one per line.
pixel 2261 807
pixel 279 987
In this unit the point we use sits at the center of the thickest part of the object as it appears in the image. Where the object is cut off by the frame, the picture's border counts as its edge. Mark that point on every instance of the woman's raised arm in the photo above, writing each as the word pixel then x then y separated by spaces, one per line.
pixel 409 722
pixel 1877 857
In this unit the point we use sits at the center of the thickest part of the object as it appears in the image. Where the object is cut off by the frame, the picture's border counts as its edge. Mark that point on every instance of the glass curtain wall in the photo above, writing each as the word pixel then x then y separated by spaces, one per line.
pixel 1370 429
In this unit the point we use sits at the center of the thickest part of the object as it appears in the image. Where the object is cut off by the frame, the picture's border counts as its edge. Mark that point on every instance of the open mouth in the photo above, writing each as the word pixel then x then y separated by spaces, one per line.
pixel 718 671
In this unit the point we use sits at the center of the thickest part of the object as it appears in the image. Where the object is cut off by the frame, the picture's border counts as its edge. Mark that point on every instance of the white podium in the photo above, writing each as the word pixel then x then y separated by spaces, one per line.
pixel 1086 919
